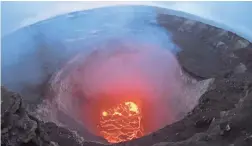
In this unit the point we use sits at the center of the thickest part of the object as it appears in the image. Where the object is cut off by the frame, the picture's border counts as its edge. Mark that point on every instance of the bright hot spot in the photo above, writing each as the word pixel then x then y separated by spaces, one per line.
pixel 121 123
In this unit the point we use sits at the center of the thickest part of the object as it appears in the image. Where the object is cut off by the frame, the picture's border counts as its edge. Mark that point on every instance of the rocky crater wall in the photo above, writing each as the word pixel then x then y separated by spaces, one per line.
pixel 222 117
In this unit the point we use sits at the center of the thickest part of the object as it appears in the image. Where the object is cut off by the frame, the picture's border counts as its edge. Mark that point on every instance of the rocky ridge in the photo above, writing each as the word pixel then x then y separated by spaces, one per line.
pixel 222 117
pixel 206 51
pixel 20 128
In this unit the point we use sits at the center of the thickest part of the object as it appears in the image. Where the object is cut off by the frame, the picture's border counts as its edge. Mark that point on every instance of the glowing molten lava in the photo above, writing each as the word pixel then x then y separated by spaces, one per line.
pixel 121 90
pixel 121 123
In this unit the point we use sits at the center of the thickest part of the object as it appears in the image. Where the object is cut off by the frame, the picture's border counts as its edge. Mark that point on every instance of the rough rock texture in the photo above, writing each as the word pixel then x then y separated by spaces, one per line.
pixel 245 56
pixel 222 117
pixel 223 95
pixel 232 129
pixel 19 128
pixel 207 51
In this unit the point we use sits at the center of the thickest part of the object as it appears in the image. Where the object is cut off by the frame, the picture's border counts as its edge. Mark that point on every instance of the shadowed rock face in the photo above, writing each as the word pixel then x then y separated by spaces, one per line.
pixel 19 128
pixel 222 117
pixel 207 51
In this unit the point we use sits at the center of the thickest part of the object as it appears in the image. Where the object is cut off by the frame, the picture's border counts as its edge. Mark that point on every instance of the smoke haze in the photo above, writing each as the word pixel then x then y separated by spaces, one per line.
pixel 109 52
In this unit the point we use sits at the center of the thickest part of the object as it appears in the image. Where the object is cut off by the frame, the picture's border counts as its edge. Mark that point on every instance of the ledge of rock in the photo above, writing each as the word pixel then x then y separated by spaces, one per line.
pixel 19 128
pixel 223 96
pixel 206 51
pixel 232 129
pixel 222 117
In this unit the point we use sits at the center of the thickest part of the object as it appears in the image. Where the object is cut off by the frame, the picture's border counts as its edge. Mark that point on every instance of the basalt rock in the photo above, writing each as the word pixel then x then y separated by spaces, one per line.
pixel 19 128
pixel 233 129
pixel 206 51
pixel 224 112
pixel 245 56
pixel 222 117
pixel 222 96
pixel 16 126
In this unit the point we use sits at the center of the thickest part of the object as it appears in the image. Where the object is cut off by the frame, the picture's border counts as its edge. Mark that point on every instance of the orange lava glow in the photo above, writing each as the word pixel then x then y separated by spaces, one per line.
pixel 121 123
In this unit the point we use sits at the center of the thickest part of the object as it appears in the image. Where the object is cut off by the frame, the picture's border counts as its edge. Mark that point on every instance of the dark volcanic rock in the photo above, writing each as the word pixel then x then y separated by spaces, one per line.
pixel 16 126
pixel 207 51
pixel 225 119
pixel 77 127
pixel 222 117
pixel 234 128
pixel 62 136
pixel 223 95
pixel 19 128
pixel 245 56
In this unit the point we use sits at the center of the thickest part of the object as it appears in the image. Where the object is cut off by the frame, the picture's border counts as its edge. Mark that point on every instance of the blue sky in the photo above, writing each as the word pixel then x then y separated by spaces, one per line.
pixel 236 15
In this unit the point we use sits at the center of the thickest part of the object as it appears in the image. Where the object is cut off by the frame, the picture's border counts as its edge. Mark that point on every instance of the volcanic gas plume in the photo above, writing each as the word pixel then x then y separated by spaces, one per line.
pixel 109 72
pixel 121 90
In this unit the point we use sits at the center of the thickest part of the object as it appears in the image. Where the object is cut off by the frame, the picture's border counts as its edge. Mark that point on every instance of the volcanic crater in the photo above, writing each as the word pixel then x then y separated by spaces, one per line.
pixel 134 91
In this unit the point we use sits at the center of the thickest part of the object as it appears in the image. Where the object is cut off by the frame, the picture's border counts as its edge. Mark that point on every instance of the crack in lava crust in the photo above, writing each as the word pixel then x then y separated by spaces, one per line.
pixel 121 123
